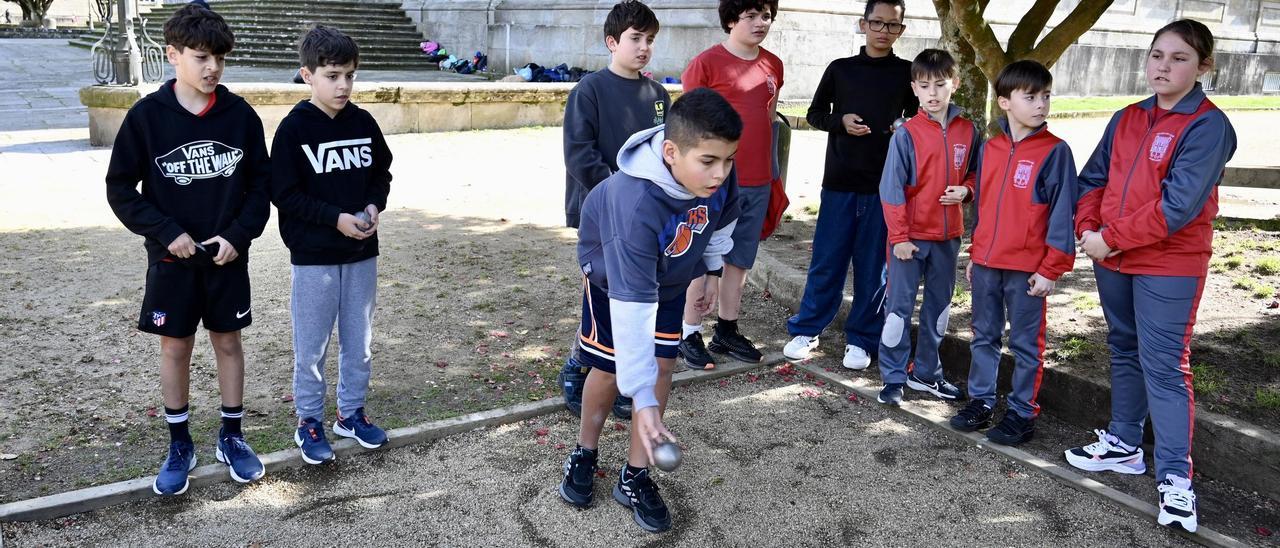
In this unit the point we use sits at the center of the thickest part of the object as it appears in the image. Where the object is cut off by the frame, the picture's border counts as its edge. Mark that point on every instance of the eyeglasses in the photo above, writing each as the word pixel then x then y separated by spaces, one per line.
pixel 881 26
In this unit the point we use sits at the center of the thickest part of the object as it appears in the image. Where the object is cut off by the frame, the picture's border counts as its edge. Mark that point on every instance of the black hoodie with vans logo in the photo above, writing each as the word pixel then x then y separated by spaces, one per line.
pixel 203 175
pixel 321 168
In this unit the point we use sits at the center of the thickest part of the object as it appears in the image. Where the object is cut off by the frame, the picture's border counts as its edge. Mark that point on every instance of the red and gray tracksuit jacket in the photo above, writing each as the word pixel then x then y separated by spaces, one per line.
pixel 926 157
pixel 1151 186
pixel 1026 195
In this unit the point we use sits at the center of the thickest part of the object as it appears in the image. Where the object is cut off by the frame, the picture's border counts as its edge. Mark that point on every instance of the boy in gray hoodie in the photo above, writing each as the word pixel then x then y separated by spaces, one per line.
pixel 665 219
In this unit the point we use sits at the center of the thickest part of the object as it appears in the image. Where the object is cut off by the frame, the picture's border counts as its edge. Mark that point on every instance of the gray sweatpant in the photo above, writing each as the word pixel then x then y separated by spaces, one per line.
pixel 321 295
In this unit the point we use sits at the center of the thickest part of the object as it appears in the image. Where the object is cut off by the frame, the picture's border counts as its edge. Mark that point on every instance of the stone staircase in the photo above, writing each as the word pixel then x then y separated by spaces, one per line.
pixel 267 31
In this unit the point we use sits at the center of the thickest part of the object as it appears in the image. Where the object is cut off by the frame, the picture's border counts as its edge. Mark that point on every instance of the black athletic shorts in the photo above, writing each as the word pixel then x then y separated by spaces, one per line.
pixel 180 296
pixel 595 337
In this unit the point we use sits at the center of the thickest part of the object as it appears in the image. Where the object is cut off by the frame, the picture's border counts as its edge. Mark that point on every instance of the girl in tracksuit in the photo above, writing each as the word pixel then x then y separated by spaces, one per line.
pixel 1148 196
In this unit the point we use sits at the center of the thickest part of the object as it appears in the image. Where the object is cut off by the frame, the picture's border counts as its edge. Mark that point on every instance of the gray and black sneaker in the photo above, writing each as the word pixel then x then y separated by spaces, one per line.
pixel 694 352
pixel 579 477
pixel 640 494
pixel 728 340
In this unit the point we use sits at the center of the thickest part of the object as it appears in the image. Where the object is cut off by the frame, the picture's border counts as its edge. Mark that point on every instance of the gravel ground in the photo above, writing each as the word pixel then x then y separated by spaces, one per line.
pixel 770 461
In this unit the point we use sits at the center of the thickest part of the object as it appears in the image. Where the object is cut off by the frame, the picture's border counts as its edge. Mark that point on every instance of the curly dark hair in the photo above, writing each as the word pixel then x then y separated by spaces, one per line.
pixel 322 45
pixel 196 26
pixel 731 10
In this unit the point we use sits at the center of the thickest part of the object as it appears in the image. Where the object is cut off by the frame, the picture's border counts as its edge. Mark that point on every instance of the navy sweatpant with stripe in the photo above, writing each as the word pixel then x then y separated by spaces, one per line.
pixel 1150 319
pixel 997 292
pixel 935 262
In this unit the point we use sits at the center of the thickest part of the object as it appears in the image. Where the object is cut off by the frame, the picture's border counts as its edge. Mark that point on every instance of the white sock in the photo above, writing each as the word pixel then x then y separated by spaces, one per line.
pixel 689 329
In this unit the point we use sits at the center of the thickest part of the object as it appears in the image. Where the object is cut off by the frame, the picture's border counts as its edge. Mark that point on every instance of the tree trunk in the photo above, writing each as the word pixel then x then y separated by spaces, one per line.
pixel 973 92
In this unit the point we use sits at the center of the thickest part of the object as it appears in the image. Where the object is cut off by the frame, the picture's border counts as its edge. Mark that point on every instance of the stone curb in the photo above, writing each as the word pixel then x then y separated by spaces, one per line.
pixel 93 498
pixel 865 390
pixel 1240 453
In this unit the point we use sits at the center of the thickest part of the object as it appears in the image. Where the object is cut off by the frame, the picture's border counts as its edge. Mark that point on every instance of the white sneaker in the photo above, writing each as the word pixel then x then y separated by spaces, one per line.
pixel 855 357
pixel 1177 503
pixel 1106 455
pixel 800 347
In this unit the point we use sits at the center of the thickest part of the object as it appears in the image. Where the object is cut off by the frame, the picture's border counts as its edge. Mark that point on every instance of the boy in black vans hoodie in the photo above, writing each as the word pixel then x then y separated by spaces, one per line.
pixel 330 180
pixel 199 152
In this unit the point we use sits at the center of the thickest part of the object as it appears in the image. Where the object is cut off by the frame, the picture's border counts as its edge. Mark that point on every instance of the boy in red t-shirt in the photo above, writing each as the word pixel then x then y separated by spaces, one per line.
pixel 750 77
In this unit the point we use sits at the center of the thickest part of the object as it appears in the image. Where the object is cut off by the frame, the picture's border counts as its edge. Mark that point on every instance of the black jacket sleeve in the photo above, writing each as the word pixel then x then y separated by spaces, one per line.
pixel 286 192
pixel 130 163
pixel 380 178
pixel 256 208
pixel 581 133
pixel 821 114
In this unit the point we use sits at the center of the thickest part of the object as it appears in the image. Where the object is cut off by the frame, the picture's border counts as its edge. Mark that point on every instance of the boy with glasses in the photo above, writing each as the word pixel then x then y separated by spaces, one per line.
pixel 856 102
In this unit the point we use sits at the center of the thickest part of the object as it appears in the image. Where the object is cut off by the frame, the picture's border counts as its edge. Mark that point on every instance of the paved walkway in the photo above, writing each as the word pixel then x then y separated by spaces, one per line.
pixel 40 82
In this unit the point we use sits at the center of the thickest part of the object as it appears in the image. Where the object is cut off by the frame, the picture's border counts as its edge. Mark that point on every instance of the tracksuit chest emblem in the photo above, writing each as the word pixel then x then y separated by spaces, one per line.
pixel 958 151
pixel 1022 174
pixel 1159 146
pixel 199 160
pixel 695 222
pixel 659 112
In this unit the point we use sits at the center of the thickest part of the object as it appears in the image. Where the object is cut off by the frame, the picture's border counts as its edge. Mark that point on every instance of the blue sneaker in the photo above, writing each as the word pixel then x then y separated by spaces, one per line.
pixel 359 426
pixel 891 394
pixel 310 439
pixel 240 459
pixel 172 479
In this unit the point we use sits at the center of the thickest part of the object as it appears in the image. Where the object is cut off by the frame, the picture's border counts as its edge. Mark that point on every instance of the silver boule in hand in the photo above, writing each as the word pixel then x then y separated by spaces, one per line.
pixel 667 456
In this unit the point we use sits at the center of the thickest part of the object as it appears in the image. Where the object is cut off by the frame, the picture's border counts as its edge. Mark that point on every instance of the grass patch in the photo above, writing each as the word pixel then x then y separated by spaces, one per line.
pixel 1205 379
pixel 960 297
pixel 810 210
pixel 1076 348
pixel 1263 291
pixel 1085 302
pixel 1271 359
pixel 1243 282
pixel 1267 266
pixel 1267 398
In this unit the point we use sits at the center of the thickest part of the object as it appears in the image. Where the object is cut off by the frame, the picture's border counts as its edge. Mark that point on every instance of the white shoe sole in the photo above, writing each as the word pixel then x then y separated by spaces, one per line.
pixel 1186 524
pixel 298 440
pixel 1090 465
pixel 856 366
pixel 339 430
pixel 802 353
pixel 926 388
pixel 231 469
pixel 156 488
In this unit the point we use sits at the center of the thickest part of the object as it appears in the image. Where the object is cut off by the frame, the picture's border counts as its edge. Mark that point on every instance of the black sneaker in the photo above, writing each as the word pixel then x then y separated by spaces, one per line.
pixel 579 477
pixel 940 388
pixel 732 342
pixel 694 352
pixel 975 416
pixel 891 394
pixel 640 494
pixel 1012 430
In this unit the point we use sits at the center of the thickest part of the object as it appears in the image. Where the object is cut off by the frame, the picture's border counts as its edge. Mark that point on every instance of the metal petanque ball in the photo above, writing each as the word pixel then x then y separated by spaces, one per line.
pixel 364 219
pixel 666 456
pixel 898 123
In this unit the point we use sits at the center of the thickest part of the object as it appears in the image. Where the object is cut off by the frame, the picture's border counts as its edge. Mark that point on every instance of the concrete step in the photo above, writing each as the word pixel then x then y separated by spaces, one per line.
pixel 295 30
pixel 371 64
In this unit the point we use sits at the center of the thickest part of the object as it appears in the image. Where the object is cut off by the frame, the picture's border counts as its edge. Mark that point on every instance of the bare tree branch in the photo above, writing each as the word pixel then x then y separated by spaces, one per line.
pixel 977 32
pixel 1079 21
pixel 1024 35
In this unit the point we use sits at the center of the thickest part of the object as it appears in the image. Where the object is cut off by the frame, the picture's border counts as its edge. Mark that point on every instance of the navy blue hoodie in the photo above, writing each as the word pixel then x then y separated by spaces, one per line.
pixel 321 168
pixel 202 175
